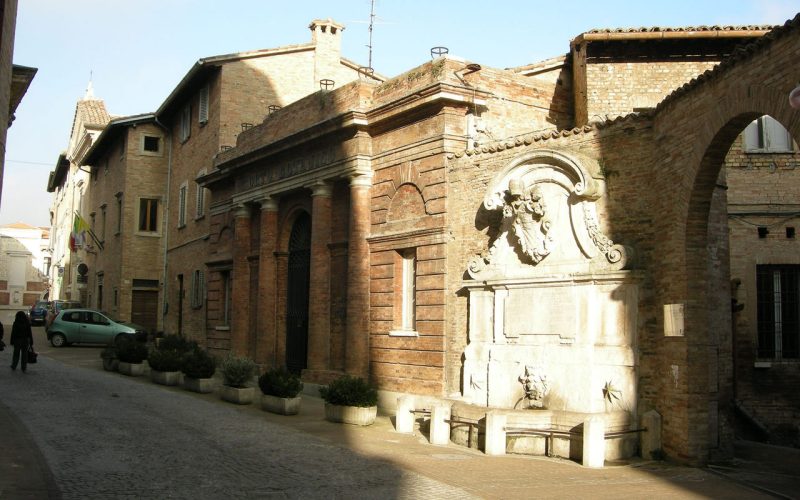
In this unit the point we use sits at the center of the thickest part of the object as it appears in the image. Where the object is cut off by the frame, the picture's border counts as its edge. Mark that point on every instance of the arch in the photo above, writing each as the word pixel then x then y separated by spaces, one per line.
pixel 407 203
pixel 693 129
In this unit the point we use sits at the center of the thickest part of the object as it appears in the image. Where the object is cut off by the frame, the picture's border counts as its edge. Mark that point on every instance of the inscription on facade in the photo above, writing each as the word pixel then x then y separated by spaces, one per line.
pixel 286 168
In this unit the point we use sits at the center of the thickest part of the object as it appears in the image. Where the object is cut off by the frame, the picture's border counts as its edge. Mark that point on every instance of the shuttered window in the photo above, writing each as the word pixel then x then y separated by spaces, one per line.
pixel 182 205
pixel 203 107
pixel 767 135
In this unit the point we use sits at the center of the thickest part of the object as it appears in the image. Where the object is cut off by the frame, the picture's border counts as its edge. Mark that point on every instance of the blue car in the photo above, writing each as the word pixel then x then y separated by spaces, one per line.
pixel 38 312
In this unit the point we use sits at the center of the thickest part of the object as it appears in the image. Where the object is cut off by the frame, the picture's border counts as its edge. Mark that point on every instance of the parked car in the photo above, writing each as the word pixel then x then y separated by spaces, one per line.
pixel 91 327
pixel 38 312
pixel 55 307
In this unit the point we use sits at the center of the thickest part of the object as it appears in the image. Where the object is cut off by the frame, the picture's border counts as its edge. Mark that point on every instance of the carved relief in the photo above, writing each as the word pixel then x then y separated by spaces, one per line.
pixel 547 201
pixel 534 383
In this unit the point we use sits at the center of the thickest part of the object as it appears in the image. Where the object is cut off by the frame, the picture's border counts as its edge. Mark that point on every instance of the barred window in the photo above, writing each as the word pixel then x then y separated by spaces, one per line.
pixel 778 303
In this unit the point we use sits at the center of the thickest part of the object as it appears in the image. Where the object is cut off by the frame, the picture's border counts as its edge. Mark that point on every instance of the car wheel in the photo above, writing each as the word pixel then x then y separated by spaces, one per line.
pixel 58 340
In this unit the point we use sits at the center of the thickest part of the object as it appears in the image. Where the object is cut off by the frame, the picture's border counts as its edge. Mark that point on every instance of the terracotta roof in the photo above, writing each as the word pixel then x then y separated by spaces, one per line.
pixel 528 139
pixel 93 112
pixel 684 29
pixel 20 225
pixel 740 54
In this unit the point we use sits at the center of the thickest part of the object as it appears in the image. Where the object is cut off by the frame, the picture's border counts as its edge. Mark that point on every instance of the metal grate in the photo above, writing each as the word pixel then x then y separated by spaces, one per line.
pixel 778 311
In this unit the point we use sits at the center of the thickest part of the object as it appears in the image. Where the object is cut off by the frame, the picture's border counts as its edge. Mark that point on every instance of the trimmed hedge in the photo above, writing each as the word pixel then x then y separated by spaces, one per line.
pixel 350 391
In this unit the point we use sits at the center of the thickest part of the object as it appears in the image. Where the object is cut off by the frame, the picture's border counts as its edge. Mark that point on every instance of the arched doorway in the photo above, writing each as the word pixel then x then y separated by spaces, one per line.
pixel 297 294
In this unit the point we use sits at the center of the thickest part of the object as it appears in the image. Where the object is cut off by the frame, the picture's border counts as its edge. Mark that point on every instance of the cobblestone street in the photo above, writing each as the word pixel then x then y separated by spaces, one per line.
pixel 106 436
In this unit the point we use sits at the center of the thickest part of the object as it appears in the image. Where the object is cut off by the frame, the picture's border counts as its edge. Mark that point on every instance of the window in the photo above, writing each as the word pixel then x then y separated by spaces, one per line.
pixel 198 286
pixel 405 271
pixel 151 144
pixel 778 307
pixel 225 278
pixel 103 223
pixel 202 114
pixel 186 123
pixel 100 279
pixel 116 297
pixel 767 135
pixel 119 214
pixel 200 206
pixel 148 214
pixel 123 144
pixel 182 205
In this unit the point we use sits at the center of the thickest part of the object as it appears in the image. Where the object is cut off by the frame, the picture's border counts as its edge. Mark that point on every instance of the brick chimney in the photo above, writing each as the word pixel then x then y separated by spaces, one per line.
pixel 326 35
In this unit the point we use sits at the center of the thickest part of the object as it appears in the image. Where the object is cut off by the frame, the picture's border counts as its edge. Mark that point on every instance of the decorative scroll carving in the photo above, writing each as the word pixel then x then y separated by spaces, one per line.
pixel 614 253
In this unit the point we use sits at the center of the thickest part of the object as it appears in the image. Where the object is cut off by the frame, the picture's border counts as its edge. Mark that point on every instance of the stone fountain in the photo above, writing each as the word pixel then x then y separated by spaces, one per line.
pixel 552 309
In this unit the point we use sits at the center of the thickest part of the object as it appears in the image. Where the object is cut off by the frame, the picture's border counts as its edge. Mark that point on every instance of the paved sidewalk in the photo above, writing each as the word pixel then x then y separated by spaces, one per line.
pixel 24 475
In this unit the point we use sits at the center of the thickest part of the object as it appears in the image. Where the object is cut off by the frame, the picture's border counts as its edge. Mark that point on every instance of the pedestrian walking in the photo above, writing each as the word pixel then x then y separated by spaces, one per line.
pixel 2 344
pixel 22 340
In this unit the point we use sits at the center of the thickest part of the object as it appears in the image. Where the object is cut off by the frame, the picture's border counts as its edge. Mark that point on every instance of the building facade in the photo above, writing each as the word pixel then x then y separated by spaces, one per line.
pixel 218 99
pixel 456 230
pixel 69 182
pixel 24 264
pixel 129 173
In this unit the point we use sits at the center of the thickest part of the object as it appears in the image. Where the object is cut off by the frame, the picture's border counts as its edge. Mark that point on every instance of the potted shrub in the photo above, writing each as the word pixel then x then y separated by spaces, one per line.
pixel 165 366
pixel 110 361
pixel 131 355
pixel 350 400
pixel 236 374
pixel 280 391
pixel 198 367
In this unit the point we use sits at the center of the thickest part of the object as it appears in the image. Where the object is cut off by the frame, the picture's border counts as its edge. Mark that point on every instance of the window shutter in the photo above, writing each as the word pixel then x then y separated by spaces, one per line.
pixel 203 111
pixel 752 139
pixel 778 138
pixel 182 206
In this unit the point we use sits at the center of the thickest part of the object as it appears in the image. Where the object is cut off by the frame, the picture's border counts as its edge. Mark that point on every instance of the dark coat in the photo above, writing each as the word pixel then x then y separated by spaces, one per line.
pixel 21 335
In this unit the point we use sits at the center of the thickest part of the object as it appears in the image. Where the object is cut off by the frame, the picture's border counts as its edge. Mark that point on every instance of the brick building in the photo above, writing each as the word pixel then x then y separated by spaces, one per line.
pixel 442 230
pixel 128 182
pixel 218 99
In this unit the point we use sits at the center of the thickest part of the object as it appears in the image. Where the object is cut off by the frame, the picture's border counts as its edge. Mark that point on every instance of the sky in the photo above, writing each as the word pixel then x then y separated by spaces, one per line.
pixel 136 52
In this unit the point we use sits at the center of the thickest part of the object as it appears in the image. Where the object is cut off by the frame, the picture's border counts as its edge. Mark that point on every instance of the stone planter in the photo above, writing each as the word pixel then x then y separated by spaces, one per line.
pixel 131 369
pixel 281 406
pixel 238 395
pixel 201 385
pixel 110 364
pixel 165 378
pixel 355 415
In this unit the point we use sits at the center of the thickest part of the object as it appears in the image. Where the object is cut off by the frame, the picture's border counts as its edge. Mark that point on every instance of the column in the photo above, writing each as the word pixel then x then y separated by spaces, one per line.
pixel 319 292
pixel 240 290
pixel 266 353
pixel 357 345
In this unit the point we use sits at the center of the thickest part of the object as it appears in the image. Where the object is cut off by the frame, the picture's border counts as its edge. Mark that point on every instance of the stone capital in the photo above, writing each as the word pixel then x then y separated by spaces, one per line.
pixel 241 210
pixel 361 179
pixel 269 204
pixel 320 188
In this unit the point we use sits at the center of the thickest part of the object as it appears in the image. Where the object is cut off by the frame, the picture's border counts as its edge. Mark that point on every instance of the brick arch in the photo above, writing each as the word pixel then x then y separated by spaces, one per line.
pixel 407 203
pixel 693 130
pixel 286 223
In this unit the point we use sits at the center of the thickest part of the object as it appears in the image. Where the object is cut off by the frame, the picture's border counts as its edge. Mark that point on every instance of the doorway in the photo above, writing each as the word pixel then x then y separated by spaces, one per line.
pixel 297 294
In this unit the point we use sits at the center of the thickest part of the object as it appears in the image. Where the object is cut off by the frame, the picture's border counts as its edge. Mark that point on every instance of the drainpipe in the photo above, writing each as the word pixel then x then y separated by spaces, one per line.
pixel 164 302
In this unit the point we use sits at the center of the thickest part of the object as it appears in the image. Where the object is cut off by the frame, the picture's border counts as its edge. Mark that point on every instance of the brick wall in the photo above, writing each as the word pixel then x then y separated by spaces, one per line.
pixel 127 172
